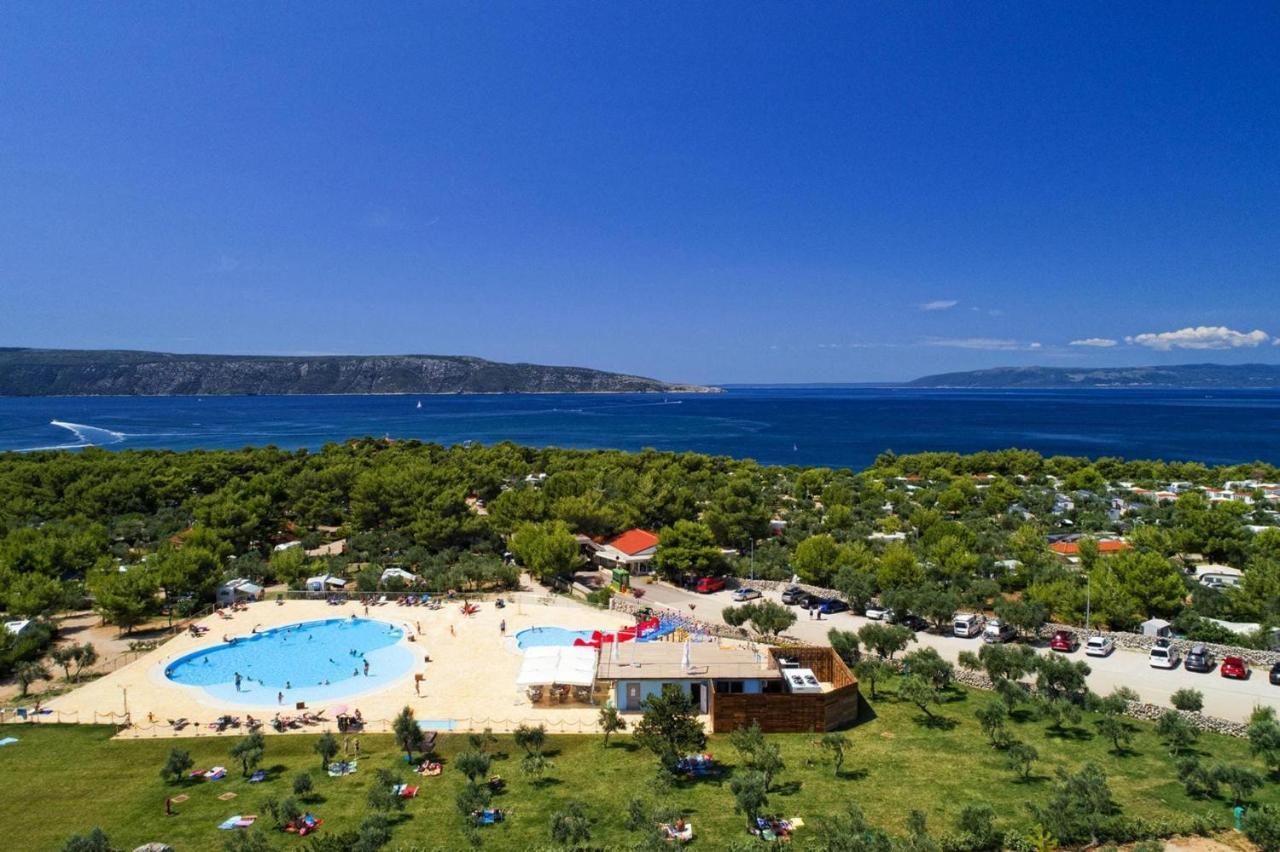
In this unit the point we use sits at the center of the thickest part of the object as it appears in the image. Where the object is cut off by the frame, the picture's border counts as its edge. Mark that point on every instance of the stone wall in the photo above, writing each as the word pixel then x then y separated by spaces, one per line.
pixel 724 631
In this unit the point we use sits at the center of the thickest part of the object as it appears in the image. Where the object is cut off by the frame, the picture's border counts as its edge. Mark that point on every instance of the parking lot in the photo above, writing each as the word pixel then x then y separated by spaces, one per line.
pixel 1228 699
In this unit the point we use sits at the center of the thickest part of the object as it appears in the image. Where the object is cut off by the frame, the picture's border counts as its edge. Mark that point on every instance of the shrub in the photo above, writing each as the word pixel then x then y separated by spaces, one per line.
pixel 1191 700
pixel 1262 826
pixel 302 784
pixel 94 841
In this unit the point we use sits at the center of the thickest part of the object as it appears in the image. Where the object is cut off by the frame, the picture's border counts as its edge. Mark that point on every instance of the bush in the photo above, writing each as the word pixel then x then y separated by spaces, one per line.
pixel 1191 700
pixel 302 785
pixel 94 841
pixel 1262 826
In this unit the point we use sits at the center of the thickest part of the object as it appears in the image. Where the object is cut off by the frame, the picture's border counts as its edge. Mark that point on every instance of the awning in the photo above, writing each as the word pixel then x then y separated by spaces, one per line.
pixel 570 665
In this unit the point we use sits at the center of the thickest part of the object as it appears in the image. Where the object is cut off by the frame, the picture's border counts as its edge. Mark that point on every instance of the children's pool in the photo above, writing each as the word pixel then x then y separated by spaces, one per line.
pixel 541 637
pixel 313 661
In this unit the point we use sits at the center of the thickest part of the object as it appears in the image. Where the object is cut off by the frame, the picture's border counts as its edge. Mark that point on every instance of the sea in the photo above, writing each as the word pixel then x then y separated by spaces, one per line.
pixel 836 427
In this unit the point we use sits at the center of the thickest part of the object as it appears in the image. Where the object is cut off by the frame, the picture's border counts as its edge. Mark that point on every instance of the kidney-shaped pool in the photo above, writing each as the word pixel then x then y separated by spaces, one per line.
pixel 313 661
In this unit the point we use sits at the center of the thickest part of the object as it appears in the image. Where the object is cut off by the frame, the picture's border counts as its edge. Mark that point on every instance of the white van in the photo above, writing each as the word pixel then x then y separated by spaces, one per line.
pixel 1163 655
pixel 967 625
pixel 997 632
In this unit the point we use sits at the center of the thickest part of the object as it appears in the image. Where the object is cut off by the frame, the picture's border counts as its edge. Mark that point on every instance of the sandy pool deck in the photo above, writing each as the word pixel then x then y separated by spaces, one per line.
pixel 470 683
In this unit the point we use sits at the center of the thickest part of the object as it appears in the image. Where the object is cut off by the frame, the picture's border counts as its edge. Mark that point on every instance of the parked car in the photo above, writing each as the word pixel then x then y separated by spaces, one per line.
pixel 792 595
pixel 745 594
pixel 997 631
pixel 1064 641
pixel 1163 655
pixel 1099 646
pixel 1234 667
pixel 828 606
pixel 906 619
pixel 876 612
pixel 1275 674
pixel 966 625
pixel 1199 659
pixel 707 585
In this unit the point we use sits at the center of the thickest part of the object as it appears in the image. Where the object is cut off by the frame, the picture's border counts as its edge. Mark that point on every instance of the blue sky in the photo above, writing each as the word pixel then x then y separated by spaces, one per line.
pixel 695 191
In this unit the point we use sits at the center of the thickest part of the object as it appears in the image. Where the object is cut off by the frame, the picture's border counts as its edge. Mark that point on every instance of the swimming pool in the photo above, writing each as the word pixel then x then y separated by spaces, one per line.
pixel 542 637
pixel 313 661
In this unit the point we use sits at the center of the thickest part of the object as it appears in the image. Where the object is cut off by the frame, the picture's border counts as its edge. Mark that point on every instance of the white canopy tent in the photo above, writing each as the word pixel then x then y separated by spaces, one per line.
pixel 324 582
pixel 567 665
pixel 399 574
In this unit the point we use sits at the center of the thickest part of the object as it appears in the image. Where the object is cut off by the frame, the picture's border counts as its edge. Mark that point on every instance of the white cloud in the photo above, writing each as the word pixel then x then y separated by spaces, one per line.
pixel 940 305
pixel 1200 337
pixel 994 344
pixel 1099 342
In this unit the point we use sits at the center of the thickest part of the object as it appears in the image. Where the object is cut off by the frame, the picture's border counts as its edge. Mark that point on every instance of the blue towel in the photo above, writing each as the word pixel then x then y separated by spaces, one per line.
pixel 230 824
pixel 8 741
pixel 260 775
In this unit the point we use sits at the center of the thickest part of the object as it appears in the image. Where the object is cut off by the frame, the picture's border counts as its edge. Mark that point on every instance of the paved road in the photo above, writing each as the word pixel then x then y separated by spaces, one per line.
pixel 1228 699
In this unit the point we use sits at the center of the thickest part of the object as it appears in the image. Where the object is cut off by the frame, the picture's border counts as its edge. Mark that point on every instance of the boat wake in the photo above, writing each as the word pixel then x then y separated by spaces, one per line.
pixel 86 436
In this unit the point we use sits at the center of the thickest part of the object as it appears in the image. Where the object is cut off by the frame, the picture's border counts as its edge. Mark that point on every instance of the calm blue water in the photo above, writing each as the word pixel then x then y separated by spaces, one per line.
pixel 836 427
pixel 298 660
pixel 542 637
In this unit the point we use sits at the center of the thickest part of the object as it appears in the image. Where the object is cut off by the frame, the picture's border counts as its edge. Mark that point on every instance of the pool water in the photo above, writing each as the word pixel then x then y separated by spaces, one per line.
pixel 542 637
pixel 312 661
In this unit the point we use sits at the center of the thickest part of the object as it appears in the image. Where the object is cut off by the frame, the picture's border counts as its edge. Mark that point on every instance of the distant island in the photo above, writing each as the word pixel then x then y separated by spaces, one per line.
pixel 1176 376
pixel 75 372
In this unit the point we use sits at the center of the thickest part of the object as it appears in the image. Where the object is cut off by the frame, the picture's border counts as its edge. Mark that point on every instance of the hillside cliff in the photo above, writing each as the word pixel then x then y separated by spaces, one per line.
pixel 70 372
pixel 1174 376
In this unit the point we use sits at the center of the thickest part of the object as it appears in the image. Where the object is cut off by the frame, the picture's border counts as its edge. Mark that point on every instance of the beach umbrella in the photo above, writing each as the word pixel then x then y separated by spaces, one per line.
pixel 613 652
pixel 685 662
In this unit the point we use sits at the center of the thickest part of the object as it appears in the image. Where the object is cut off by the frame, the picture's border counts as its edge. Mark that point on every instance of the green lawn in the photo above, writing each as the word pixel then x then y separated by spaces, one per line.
pixel 60 780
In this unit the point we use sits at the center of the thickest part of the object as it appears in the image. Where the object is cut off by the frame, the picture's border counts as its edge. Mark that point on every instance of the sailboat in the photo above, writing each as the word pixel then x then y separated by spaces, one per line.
pixel 419 403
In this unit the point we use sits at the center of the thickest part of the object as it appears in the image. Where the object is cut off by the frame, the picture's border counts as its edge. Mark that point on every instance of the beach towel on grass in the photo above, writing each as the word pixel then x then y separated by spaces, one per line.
pixel 229 823
pixel 8 741
pixel 257 777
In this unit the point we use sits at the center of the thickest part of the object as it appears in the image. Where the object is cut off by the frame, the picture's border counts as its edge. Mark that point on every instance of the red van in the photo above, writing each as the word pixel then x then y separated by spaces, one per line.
pixel 707 585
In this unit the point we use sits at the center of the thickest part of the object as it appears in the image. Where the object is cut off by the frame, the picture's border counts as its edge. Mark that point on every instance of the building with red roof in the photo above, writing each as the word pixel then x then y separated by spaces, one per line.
pixel 1107 547
pixel 634 550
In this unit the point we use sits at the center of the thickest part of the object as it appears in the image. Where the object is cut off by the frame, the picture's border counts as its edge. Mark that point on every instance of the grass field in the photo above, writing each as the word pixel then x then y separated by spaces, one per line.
pixel 60 780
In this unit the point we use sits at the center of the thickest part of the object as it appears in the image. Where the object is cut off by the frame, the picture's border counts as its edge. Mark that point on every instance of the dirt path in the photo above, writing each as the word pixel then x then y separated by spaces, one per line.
pixel 76 628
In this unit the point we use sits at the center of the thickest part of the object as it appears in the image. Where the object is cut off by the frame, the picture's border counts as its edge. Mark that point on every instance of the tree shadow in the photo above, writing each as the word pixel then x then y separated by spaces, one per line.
pixel 936 723
pixel 1068 732
pixel 852 774
pixel 1032 779
pixel 1022 715
pixel 544 783
pixel 626 745
pixel 787 788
